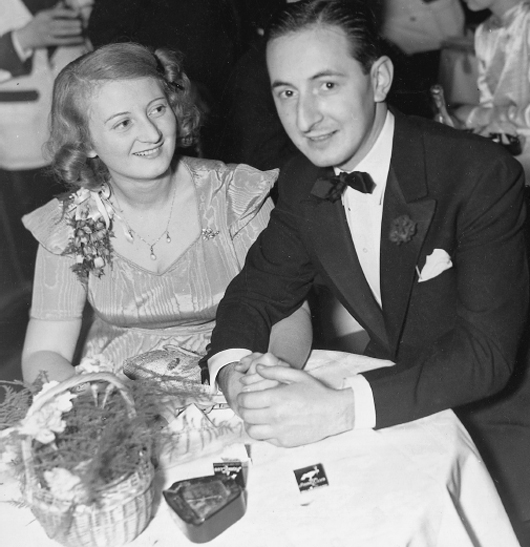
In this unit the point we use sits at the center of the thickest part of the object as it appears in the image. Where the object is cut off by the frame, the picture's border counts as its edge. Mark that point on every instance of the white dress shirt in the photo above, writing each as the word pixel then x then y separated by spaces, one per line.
pixel 364 214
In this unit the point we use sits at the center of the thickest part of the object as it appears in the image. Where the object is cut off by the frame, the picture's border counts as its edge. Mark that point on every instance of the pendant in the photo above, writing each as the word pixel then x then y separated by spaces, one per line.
pixel 153 256
pixel 129 235
pixel 168 239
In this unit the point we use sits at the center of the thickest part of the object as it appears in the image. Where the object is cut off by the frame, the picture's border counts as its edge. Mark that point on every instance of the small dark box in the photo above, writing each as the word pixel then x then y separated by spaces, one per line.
pixel 205 506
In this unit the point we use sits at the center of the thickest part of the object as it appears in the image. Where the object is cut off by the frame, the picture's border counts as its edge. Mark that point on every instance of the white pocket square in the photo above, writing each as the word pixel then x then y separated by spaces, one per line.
pixel 436 263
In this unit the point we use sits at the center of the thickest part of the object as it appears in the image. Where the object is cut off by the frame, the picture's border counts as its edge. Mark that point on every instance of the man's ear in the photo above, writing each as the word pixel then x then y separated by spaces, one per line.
pixel 382 74
pixel 91 153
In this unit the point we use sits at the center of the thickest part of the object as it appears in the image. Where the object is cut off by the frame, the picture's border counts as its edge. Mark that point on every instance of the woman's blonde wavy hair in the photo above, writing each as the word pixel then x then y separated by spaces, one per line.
pixel 70 139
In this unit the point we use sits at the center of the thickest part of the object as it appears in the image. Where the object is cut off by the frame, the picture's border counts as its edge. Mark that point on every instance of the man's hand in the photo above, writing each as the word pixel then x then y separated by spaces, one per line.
pixel 300 410
pixel 53 27
pixel 252 381
pixel 229 382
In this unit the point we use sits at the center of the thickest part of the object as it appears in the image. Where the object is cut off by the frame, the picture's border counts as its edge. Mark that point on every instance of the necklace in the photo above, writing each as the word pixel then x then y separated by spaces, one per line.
pixel 130 233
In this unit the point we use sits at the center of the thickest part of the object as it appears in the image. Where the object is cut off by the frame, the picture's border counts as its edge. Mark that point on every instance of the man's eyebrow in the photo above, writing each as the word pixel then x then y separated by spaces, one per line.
pixel 317 76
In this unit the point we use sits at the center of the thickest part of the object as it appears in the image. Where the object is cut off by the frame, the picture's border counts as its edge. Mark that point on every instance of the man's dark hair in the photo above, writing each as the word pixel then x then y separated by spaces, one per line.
pixel 357 18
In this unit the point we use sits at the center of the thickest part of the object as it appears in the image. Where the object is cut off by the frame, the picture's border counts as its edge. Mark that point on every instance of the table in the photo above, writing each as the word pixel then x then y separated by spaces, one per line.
pixel 421 484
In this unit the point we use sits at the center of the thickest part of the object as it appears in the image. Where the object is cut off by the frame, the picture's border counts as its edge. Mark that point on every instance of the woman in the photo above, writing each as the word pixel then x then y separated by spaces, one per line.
pixel 502 47
pixel 150 239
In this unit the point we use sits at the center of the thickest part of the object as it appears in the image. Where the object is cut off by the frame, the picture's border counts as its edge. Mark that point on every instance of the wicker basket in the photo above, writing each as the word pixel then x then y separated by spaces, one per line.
pixel 123 507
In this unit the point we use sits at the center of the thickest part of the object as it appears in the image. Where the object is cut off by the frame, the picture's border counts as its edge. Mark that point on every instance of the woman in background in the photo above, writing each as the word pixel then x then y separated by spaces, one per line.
pixel 149 238
pixel 502 47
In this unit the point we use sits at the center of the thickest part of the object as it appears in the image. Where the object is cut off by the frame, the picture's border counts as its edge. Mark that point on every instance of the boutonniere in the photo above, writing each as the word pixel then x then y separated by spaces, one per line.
pixel 90 221
pixel 402 230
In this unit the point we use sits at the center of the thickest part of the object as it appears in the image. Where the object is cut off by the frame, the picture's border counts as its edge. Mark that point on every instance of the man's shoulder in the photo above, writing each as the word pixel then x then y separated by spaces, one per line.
pixel 447 149
pixel 297 177
pixel 436 134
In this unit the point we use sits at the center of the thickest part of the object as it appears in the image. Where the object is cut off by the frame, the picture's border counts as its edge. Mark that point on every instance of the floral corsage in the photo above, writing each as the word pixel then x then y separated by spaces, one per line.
pixel 402 230
pixel 90 220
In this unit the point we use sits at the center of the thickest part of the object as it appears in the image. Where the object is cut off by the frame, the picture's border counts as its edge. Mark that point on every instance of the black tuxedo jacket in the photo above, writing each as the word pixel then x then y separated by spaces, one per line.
pixel 455 337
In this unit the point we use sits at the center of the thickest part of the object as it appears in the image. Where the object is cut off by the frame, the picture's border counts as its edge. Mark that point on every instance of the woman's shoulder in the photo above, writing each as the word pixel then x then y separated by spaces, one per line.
pixel 49 225
pixel 238 178
pixel 239 190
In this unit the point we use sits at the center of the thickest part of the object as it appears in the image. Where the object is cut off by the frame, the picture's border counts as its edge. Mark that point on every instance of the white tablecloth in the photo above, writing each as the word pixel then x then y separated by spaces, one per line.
pixel 420 484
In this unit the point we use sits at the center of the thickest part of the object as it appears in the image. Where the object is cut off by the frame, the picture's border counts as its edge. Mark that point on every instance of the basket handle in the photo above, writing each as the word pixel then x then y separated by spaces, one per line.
pixel 41 399
pixel 79 379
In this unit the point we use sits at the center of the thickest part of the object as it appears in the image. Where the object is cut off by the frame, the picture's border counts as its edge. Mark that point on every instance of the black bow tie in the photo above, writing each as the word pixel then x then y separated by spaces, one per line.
pixel 332 188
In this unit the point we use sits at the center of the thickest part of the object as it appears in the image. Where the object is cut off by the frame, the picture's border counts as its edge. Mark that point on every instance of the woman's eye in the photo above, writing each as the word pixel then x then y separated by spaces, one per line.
pixel 329 85
pixel 123 124
pixel 159 109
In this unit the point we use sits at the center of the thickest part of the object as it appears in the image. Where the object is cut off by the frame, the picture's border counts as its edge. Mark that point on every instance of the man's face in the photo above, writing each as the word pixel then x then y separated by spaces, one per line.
pixel 329 107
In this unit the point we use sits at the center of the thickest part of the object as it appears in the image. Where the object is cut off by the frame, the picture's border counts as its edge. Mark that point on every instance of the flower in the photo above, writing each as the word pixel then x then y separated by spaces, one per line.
pixel 9 448
pixel 402 230
pixel 96 363
pixel 43 424
pixel 90 220
pixel 65 486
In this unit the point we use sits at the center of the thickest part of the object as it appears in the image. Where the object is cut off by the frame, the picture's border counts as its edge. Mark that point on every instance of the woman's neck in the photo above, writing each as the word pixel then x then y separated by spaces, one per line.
pixel 144 194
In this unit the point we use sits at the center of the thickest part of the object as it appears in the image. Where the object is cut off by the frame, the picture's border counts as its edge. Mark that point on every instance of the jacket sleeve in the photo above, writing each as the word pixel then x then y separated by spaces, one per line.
pixel 273 283
pixel 11 65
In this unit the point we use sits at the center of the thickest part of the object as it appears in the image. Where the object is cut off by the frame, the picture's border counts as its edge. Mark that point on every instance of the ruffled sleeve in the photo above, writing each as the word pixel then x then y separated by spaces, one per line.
pixel 57 292
pixel 49 226
pixel 249 205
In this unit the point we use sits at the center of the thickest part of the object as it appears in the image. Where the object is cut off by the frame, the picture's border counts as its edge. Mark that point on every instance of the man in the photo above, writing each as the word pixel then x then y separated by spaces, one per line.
pixel 427 254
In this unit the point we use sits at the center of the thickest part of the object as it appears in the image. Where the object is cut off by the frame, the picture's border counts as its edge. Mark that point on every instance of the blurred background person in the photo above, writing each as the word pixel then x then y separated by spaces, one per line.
pixel 502 47
pixel 37 39
pixel 414 31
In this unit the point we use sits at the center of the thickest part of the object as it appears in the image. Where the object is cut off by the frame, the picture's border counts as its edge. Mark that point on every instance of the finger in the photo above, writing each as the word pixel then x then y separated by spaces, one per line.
pixel 64 13
pixel 261 433
pixel 242 366
pixel 284 375
pixel 249 358
pixel 260 386
pixel 249 378
pixel 254 400
pixel 66 28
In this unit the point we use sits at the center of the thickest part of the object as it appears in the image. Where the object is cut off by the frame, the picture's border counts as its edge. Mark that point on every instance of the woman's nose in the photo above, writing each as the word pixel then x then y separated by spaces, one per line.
pixel 149 131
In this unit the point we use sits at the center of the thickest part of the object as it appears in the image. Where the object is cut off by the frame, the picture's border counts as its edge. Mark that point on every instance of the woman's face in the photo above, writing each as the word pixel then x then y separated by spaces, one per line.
pixel 133 129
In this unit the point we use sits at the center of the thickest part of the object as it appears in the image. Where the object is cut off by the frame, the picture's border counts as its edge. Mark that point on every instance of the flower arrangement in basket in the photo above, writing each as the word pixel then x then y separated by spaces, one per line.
pixel 84 453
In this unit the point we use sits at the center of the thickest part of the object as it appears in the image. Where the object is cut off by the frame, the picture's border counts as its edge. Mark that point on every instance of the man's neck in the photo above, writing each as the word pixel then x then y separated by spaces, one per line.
pixel 370 139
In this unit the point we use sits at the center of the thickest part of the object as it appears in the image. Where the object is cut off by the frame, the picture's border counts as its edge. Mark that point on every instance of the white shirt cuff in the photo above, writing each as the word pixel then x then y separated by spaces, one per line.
pixel 364 405
pixel 221 359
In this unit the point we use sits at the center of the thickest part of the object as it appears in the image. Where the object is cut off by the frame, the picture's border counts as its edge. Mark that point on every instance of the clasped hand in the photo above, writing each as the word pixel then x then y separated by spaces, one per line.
pixel 58 26
pixel 286 406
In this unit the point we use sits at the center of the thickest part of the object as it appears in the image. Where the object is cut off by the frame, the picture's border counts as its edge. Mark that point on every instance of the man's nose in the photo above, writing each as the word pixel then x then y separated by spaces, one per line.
pixel 308 113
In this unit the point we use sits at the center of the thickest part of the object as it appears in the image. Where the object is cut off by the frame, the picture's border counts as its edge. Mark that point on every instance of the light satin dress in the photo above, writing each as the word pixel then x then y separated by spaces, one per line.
pixel 137 310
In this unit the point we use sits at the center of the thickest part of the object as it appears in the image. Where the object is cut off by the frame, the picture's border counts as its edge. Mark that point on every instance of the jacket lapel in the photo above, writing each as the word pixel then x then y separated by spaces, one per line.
pixel 330 234
pixel 406 195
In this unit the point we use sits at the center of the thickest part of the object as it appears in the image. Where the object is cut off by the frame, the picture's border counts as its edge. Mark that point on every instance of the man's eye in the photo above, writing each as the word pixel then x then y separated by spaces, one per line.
pixel 329 85
pixel 286 94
